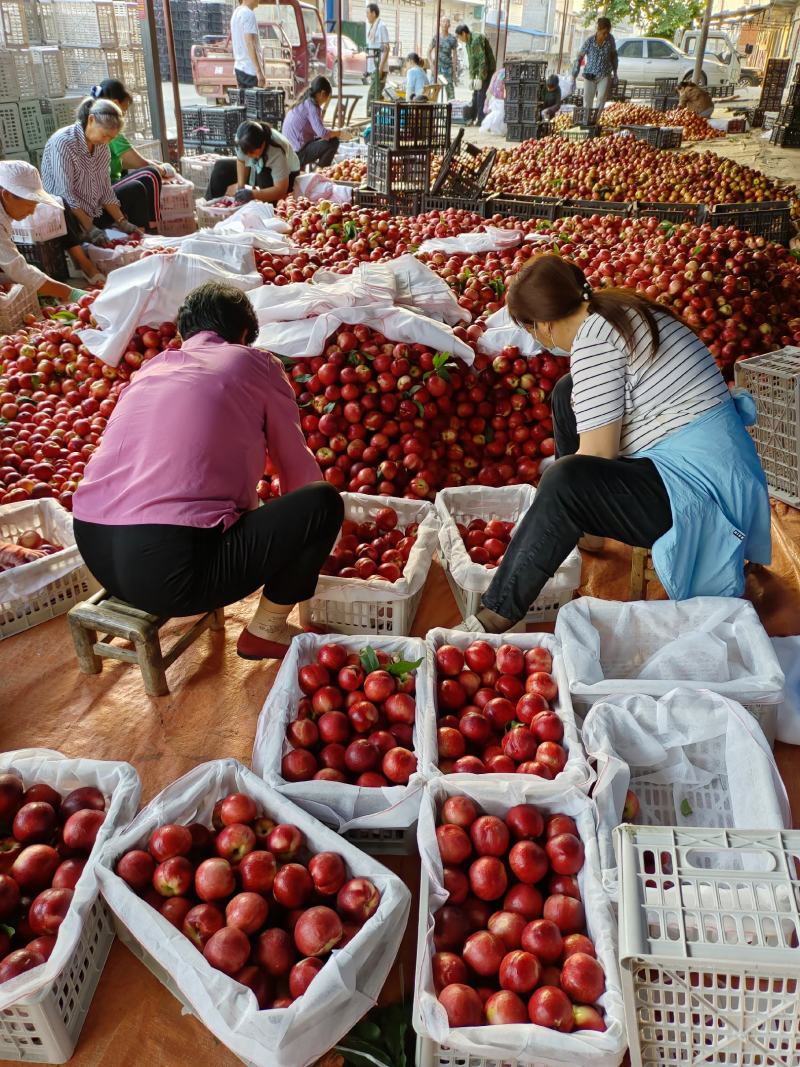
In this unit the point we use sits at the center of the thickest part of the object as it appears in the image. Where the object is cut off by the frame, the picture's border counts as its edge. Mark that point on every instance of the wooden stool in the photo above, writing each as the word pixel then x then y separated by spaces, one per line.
pixel 641 573
pixel 114 618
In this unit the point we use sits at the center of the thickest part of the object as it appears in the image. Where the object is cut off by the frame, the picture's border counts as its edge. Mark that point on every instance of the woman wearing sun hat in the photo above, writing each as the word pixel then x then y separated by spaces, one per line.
pixel 20 193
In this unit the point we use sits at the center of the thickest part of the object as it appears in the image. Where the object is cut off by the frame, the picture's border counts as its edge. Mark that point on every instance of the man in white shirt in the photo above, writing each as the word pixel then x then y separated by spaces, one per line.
pixel 244 41
pixel 377 67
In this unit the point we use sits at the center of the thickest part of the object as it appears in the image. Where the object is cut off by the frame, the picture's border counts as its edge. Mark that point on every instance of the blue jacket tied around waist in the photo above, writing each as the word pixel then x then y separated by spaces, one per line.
pixel 719 499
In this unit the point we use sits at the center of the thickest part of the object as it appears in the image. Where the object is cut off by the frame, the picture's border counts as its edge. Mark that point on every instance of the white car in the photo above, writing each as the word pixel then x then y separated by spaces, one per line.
pixel 643 59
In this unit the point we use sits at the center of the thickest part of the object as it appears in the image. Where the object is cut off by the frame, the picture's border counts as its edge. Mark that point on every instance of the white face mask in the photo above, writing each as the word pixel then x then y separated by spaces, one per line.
pixel 554 348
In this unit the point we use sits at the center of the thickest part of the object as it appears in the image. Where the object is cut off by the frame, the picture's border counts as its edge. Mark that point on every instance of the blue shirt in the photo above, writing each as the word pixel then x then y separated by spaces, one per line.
pixel 416 80
pixel 601 59
pixel 719 499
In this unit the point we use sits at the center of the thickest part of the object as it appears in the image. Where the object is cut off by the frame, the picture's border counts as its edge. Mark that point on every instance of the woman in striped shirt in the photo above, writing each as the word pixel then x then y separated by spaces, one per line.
pixel 76 166
pixel 652 449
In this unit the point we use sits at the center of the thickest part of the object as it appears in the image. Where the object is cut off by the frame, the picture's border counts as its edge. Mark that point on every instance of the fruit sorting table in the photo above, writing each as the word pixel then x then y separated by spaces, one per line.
pixel 212 711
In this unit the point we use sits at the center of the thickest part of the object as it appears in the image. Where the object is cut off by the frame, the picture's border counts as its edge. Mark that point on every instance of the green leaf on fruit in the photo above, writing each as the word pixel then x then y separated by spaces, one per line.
pixel 489 434
pixel 329 408
pixel 686 808
pixel 350 230
pixel 420 408
pixel 10 930
pixel 402 667
pixel 415 388
pixel 303 378
pixel 64 316
pixel 369 660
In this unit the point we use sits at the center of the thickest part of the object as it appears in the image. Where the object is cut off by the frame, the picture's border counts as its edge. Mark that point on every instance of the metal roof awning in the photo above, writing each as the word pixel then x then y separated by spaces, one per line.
pixel 519 29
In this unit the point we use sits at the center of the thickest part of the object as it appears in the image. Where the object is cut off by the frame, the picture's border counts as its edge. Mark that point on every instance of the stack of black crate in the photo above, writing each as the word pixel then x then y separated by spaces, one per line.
pixel 192 22
pixel 775 78
pixel 402 140
pixel 786 130
pixel 666 94
pixel 525 89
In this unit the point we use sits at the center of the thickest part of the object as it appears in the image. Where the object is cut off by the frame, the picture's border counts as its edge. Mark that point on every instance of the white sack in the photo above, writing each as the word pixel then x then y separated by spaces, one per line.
pixel 501 331
pixel 566 84
pixel 119 782
pixel 148 293
pixel 315 187
pixel 576 772
pixel 493 239
pixel 787 650
pixel 509 503
pixel 54 523
pixel 308 337
pixel 256 216
pixel 690 747
pixel 524 1042
pixel 346 987
pixel 495 120
pixel 361 507
pixel 108 259
pixel 234 255
pixel 655 646
pixel 343 806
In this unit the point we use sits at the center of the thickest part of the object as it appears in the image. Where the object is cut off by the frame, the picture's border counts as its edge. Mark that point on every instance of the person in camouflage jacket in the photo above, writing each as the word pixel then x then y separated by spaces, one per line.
pixel 482 66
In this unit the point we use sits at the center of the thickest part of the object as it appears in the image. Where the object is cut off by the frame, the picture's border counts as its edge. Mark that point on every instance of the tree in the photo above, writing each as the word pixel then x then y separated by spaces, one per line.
pixel 657 18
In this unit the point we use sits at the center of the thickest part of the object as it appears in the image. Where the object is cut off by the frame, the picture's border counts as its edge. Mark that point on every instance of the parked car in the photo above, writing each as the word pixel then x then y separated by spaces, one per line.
pixel 354 60
pixel 643 59
pixel 720 46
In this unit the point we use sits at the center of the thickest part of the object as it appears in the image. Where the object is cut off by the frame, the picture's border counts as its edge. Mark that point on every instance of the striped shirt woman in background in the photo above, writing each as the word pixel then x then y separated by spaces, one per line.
pixel 76 166
pixel 650 446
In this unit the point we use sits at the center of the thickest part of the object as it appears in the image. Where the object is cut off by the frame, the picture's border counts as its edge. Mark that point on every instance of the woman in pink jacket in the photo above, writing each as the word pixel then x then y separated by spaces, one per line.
pixel 167 515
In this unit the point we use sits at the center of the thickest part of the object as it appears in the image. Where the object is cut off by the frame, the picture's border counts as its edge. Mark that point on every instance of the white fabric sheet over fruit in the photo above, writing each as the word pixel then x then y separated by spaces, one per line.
pixel 502 332
pixel 491 239
pixel 565 767
pixel 344 989
pixel 148 293
pixel 538 1044
pixel 655 646
pixel 120 787
pixel 338 803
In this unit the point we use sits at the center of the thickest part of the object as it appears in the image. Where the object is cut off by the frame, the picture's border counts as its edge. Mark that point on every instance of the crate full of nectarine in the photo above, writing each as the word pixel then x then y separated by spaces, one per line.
pixel 276 932
pixel 339 734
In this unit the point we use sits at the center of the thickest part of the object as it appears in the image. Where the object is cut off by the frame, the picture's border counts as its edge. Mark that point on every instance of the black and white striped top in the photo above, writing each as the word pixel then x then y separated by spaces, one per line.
pixel 654 394
pixel 81 178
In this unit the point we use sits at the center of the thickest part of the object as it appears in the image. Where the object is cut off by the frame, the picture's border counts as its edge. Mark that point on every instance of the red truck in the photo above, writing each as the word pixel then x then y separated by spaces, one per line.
pixel 293 51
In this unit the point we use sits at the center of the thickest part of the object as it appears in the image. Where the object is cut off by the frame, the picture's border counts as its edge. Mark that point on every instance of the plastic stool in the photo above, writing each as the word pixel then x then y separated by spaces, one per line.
pixel 114 618
pixel 641 573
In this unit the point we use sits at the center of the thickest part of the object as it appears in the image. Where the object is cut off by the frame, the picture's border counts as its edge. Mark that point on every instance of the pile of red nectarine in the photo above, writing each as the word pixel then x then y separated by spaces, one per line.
pixel 251 897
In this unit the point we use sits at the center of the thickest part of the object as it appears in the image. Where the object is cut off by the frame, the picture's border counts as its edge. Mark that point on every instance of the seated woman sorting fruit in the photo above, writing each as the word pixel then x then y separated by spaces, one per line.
pixel 652 447
pixel 167 516
pixel 264 168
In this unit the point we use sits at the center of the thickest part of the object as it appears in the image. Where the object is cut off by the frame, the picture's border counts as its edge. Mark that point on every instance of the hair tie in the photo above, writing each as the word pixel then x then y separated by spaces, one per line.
pixel 95 91
pixel 587 292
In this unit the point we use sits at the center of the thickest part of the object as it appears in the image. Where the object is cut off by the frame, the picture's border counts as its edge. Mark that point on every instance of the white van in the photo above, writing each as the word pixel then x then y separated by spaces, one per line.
pixel 643 59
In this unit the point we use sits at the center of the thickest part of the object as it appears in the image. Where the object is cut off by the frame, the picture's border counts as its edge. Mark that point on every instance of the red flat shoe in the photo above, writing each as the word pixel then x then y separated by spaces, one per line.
pixel 251 647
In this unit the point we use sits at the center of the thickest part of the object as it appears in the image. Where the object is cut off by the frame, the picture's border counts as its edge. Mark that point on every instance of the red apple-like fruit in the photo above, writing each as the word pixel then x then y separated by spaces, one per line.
pixel 489 836
pixel 10 848
pixel 454 844
pixel 86 797
pixel 582 978
pixel 484 952
pixel 228 950
pixel 543 938
pixel 11 792
pixel 560 824
pixel 538 660
pixel 510 659
pixel 234 842
pixel 566 912
pixel 358 900
pixel 9 897
pixel 136 868
pixel 168 841
pixel 525 822
pixel 398 765
pixel 577 943
pixel 42 946
pixel 173 877
pixel 258 981
pixel 462 1005
pixel 488 878
pixel 68 874
pixel 479 656
pixel 317 931
pixel 449 660
pixel 257 871
pixel 460 811
pixel 34 867
pixel 327 871
pixel 566 854
pixel 34 822
pixel 528 862
pixel 631 808
pixel 247 911
pixel 214 879
pixel 42 791
pixel 175 910
pixel 447 968
pixel 520 971
pixel 275 952
pixel 587 1018
pixel 285 841
pixel 22 960
pixel 293 886
pixel 48 911
pixel 508 926
pixel 238 808
pixel 81 829
pixel 201 923
pixel 551 1007
pixel 525 900
pixel 302 975
pixel 506 1008
pixel 451 927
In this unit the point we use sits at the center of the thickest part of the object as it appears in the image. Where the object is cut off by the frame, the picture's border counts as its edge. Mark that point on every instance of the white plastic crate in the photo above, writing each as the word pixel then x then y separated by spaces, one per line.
pixel 180 227
pixel 9 86
pixel 129 28
pixel 35 123
pixel 209 214
pixel 177 198
pixel 15 305
pixel 56 583
pixel 48 66
pixel 14 24
pixel 108 259
pixel 48 19
pixel 348 984
pixel 708 954
pixel 138 120
pixel 88 23
pixel 134 71
pixel 522 1045
pixel 469 581
pixel 42 1011
pixel 63 110
pixel 85 66
pixel 45 224
pixel 11 138
pixel 197 169
pixel 375 820
pixel 375 606
pixel 773 380
pixel 683 757
pixel 576 772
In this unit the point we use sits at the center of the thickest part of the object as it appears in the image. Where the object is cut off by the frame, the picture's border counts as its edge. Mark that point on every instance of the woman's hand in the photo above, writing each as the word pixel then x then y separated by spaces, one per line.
pixel 97 237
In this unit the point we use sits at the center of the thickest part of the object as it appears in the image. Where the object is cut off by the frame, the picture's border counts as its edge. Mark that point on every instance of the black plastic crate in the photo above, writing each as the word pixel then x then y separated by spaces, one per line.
pixel 404 170
pixel 755 116
pixel 192 122
pixel 642 92
pixel 525 92
pixel 396 204
pixel 793 96
pixel 236 97
pixel 48 256
pixel 658 136
pixel 665 103
pixel 523 207
pixel 665 85
pixel 266 105
pixel 770 219
pixel 527 131
pixel 789 116
pixel 428 202
pixel 619 92
pixel 396 124
pixel 587 208
pixel 586 116
pixel 221 123
pixel 692 213
pixel 523 113
pixel 575 98
pixel 787 136
pixel 465 169
pixel 525 70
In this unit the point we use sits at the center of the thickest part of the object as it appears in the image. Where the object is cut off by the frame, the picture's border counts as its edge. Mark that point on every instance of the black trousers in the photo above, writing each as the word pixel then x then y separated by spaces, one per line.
pixel 479 101
pixel 245 81
pixel 181 570
pixel 139 193
pixel 224 174
pixel 620 498
pixel 320 151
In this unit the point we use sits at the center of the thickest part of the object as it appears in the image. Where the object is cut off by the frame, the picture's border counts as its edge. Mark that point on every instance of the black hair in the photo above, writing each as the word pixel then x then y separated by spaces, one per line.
pixel 252 136
pixel 319 85
pixel 552 80
pixel 463 28
pixel 106 114
pixel 111 89
pixel 376 11
pixel 414 58
pixel 604 24
pixel 220 309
